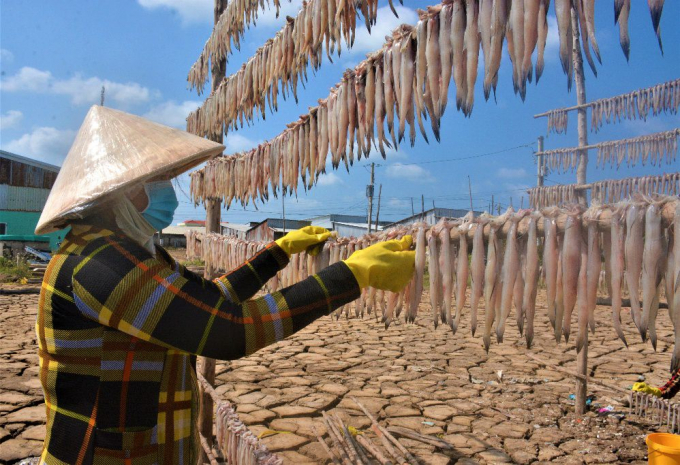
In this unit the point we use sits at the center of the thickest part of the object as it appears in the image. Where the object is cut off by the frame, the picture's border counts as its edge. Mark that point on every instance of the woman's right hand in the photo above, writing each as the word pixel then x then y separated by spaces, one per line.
pixel 387 265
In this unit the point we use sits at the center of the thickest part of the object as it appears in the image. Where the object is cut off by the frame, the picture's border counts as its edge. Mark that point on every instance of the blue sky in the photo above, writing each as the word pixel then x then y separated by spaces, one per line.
pixel 55 56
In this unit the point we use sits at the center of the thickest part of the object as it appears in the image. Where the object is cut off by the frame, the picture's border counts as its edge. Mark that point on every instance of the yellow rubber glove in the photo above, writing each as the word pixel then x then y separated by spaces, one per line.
pixel 388 265
pixel 647 389
pixel 303 239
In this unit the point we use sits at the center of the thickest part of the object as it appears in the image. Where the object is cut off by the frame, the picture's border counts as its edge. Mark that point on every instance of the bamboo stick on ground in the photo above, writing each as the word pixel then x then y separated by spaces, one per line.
pixel 373 450
pixel 352 443
pixel 407 433
pixel 331 454
pixel 355 454
pixel 376 426
pixel 337 439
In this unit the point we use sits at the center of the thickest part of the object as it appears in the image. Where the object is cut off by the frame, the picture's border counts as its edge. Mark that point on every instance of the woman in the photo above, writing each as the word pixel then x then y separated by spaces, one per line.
pixel 120 322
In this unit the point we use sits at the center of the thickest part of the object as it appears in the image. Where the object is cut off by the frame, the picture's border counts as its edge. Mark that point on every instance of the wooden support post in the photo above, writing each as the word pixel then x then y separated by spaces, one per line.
pixel 539 163
pixel 377 214
pixel 206 366
pixel 579 78
pixel 369 191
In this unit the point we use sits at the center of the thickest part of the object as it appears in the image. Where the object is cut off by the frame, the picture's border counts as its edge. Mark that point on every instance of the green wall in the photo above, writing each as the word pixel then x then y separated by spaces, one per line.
pixel 21 226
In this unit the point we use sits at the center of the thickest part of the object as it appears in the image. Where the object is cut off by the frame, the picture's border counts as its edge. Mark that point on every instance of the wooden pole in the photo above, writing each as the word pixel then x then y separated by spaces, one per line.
pixel 206 366
pixel 377 214
pixel 370 198
pixel 539 163
pixel 470 191
pixel 283 208
pixel 579 78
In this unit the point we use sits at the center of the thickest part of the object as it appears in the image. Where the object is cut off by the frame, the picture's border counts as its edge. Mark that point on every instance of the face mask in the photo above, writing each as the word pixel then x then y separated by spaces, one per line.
pixel 162 204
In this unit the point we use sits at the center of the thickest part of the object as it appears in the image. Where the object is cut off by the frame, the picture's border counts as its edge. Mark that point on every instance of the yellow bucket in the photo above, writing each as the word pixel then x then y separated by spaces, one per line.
pixel 663 449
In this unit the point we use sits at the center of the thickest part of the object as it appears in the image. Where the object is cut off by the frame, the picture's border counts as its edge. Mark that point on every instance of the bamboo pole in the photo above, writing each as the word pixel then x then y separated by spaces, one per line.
pixel 579 78
pixel 206 366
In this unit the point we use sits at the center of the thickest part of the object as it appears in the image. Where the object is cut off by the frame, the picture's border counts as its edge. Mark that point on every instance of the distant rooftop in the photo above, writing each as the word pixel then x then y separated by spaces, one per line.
pixel 28 161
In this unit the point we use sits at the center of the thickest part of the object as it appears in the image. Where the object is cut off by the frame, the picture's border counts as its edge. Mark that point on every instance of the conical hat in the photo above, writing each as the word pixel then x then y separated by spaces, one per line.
pixel 112 151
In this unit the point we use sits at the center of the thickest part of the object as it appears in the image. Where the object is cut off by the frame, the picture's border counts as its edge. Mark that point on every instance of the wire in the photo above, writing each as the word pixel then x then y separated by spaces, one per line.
pixel 470 157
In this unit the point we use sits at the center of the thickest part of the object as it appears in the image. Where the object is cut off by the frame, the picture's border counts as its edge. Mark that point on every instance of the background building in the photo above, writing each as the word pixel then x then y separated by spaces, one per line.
pixel 433 215
pixel 272 228
pixel 24 187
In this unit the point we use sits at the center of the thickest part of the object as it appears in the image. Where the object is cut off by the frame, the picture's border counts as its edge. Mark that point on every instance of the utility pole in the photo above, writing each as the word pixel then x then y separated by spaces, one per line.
pixel 369 194
pixel 470 191
pixel 377 215
pixel 492 205
pixel 422 207
pixel 283 208
pixel 582 356
pixel 206 366
pixel 413 212
pixel 539 162
pixel 101 100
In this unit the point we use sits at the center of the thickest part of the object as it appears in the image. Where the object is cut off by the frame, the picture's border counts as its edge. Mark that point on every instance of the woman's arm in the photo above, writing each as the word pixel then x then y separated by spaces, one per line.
pixel 244 282
pixel 145 297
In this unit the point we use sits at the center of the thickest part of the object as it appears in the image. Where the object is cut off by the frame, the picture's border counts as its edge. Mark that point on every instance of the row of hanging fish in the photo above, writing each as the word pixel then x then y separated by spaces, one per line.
pixel 498 258
pixel 227 253
pixel 396 87
pixel 541 197
pixel 639 104
pixel 660 411
pixel 605 192
pixel 652 148
pixel 280 64
pixel 616 190
pixel 446 43
pixel 227 33
pixel 558 120
pixel 236 442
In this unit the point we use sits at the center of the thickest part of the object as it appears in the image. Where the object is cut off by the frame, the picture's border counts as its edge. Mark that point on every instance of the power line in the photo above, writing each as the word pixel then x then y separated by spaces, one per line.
pixel 470 157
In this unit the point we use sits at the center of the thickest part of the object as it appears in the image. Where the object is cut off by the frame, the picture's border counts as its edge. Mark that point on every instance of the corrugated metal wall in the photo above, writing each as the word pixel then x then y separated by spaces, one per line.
pixel 19 174
pixel 261 233
pixel 25 199
pixel 346 230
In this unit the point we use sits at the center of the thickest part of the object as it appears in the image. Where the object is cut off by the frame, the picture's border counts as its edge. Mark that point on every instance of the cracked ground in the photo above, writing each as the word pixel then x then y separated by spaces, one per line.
pixel 493 408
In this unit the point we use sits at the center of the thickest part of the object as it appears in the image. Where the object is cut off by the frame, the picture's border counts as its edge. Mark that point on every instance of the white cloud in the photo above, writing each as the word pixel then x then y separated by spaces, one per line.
pixel 45 143
pixel 81 90
pixel 410 172
pixel 189 11
pixel 398 203
pixel 552 43
pixel 641 127
pixel 88 91
pixel 237 143
pixel 6 56
pixel 384 26
pixel 10 119
pixel 511 173
pixel 391 154
pixel 329 179
pixel 27 79
pixel 171 113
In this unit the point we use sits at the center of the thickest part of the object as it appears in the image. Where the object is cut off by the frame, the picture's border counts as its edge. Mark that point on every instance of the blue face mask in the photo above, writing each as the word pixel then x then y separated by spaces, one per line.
pixel 162 204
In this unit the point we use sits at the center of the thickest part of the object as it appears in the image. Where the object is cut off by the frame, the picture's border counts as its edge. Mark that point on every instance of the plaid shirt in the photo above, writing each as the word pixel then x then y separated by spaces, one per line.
pixel 118 330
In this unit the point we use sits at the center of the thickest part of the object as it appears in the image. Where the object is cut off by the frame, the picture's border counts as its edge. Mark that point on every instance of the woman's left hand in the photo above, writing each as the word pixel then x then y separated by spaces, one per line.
pixel 303 239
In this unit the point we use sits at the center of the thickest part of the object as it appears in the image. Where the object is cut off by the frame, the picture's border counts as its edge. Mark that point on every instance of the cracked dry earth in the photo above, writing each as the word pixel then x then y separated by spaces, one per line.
pixel 409 375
